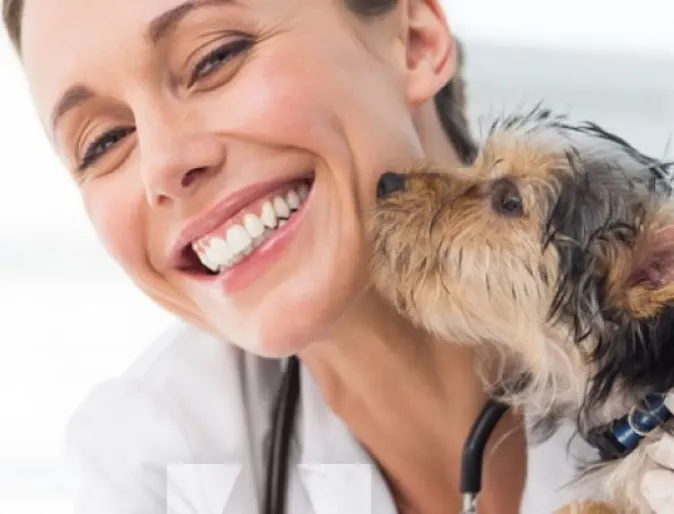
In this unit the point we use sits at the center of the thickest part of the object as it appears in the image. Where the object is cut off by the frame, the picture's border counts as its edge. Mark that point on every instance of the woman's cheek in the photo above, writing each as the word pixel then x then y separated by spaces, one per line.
pixel 116 215
pixel 280 104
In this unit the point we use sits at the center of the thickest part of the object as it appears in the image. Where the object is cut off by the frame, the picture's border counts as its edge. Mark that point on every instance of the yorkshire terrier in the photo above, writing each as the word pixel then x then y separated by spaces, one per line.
pixel 555 248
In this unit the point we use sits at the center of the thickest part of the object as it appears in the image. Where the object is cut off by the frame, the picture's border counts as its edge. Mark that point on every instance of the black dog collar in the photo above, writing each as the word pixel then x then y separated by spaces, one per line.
pixel 622 436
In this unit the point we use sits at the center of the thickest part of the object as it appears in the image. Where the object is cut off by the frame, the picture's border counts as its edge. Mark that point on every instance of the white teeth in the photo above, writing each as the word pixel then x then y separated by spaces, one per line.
pixel 281 207
pixel 293 200
pixel 304 192
pixel 238 239
pixel 207 261
pixel 268 215
pixel 253 225
pixel 217 253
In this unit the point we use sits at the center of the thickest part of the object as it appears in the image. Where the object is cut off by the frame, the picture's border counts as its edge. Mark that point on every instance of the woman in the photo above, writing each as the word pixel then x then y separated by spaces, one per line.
pixel 227 152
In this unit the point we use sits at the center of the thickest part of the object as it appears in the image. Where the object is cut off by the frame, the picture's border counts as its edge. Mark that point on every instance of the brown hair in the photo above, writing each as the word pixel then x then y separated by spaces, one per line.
pixel 450 101
pixel 11 16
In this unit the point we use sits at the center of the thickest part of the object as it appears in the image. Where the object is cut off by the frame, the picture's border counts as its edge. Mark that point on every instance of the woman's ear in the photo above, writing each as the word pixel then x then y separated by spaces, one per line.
pixel 431 53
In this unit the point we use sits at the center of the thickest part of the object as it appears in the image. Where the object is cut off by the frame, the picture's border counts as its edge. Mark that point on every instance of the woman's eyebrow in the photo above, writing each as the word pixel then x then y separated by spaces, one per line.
pixel 159 28
pixel 73 97
pixel 164 24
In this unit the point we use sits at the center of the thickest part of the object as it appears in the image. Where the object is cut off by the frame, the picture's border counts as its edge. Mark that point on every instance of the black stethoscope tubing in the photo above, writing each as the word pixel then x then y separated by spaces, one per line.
pixel 283 418
pixel 278 457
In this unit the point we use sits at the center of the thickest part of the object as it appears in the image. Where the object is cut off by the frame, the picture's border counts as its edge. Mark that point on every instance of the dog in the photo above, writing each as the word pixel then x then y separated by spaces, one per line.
pixel 554 250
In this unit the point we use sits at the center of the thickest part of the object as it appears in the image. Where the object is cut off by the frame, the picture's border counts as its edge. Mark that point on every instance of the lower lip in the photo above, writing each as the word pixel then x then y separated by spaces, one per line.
pixel 240 276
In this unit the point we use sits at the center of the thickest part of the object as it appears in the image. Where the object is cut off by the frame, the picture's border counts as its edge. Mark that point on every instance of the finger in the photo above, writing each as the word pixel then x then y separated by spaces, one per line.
pixel 662 452
pixel 669 401
pixel 658 488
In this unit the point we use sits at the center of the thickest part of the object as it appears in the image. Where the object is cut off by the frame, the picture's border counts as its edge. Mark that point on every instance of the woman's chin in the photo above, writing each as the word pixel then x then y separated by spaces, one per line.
pixel 286 315
pixel 278 348
pixel 269 332
pixel 287 333
pixel 289 327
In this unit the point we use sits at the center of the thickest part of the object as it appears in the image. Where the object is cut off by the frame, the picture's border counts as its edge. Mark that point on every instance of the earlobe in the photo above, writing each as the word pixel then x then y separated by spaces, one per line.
pixel 431 52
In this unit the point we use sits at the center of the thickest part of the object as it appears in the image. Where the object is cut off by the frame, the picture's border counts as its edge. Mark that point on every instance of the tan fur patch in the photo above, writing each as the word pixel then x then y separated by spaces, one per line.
pixel 640 281
pixel 588 508
pixel 440 238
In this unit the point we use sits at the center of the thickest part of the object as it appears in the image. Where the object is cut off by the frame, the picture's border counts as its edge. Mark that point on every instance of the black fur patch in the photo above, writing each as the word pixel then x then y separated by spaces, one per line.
pixel 595 206
pixel 587 212
pixel 638 355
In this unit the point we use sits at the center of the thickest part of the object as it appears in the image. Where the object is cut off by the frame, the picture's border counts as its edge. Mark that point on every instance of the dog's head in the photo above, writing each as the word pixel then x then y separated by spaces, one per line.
pixel 556 243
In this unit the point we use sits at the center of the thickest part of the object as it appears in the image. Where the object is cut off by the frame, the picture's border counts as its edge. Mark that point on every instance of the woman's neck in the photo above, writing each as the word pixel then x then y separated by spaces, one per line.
pixel 411 400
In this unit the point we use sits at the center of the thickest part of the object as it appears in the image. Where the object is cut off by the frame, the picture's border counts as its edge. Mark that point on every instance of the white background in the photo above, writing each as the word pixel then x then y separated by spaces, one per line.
pixel 69 318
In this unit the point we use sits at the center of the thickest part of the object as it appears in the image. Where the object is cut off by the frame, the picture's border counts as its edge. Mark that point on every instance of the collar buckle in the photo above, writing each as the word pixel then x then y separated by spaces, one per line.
pixel 622 436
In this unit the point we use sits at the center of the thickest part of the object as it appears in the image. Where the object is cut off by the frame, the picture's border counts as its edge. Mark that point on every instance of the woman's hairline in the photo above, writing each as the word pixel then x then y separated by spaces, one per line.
pixel 12 11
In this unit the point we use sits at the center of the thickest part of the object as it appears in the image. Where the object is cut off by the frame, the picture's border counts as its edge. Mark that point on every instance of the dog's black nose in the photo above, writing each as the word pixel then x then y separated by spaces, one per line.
pixel 389 183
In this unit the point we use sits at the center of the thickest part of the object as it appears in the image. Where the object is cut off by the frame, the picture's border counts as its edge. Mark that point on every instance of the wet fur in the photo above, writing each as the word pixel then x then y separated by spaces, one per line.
pixel 575 292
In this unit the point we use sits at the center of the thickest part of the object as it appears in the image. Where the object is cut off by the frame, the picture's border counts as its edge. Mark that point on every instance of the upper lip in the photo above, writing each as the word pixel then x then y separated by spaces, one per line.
pixel 222 211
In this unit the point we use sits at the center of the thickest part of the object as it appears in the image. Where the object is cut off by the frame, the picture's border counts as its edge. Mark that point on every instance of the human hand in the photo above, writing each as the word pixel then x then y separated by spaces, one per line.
pixel 657 485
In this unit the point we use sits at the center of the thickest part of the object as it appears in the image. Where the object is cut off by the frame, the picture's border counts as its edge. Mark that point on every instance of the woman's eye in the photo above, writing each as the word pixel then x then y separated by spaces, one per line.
pixel 215 59
pixel 100 146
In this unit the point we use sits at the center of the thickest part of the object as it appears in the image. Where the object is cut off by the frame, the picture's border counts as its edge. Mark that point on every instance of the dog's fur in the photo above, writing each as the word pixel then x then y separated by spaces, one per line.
pixel 555 248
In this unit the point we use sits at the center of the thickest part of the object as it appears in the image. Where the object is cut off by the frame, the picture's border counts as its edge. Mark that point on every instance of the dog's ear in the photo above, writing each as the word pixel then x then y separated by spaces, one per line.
pixel 645 273
pixel 653 258
pixel 637 354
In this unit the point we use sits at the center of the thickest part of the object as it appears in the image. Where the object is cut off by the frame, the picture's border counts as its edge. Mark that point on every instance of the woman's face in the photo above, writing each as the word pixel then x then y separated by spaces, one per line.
pixel 244 136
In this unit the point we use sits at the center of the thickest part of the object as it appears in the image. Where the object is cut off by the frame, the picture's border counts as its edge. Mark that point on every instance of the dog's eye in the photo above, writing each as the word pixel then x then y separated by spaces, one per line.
pixel 506 198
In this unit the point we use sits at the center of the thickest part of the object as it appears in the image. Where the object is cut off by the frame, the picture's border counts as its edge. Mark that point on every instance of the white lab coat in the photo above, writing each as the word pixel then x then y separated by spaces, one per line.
pixel 183 431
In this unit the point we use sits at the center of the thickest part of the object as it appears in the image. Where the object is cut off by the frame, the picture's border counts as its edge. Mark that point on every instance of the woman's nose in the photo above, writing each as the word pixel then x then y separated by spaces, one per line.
pixel 176 163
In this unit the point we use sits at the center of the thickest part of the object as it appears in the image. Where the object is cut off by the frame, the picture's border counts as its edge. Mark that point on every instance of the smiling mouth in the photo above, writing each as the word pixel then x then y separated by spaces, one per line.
pixel 240 236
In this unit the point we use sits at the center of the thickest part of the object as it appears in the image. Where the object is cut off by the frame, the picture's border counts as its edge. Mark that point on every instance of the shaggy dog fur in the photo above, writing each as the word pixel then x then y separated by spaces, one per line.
pixel 555 248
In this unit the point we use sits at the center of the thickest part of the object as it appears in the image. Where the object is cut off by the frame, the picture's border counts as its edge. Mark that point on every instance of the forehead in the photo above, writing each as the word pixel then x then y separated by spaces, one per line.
pixel 517 157
pixel 91 41
pixel 64 38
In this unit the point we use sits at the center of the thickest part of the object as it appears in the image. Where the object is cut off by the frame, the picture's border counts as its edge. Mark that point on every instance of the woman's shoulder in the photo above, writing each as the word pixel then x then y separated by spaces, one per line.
pixel 189 399
pixel 180 350
pixel 183 369
pixel 181 363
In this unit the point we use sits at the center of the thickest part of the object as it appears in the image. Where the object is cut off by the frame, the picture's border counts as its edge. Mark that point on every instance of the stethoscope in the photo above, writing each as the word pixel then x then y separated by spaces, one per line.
pixel 278 450
pixel 283 417
pixel 613 441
